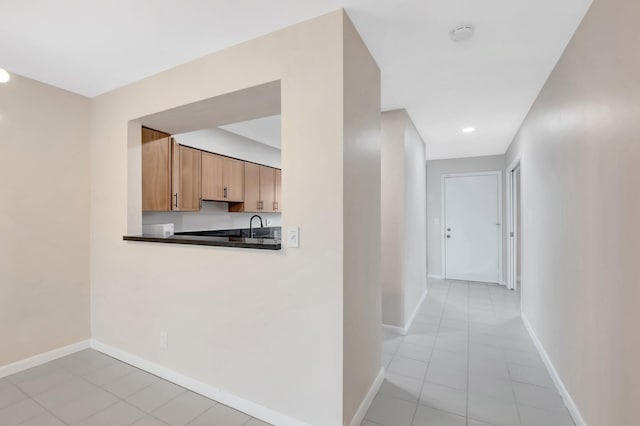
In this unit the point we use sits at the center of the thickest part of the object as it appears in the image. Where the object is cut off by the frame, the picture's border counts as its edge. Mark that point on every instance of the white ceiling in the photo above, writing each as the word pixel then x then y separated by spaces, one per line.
pixel 265 130
pixel 490 82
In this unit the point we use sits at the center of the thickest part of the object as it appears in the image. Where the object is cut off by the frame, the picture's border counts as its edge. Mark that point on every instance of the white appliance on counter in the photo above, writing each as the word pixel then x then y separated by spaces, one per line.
pixel 162 229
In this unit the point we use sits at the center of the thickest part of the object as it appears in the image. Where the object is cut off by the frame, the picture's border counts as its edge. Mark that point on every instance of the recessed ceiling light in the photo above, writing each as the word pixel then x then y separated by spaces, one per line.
pixel 4 76
pixel 468 130
pixel 462 33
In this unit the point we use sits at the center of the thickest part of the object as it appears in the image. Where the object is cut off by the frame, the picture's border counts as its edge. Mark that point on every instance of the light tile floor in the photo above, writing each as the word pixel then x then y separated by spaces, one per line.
pixel 467 361
pixel 89 388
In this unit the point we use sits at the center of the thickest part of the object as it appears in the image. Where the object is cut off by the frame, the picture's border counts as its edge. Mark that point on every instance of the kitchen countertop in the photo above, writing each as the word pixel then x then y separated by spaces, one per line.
pixel 273 232
pixel 267 238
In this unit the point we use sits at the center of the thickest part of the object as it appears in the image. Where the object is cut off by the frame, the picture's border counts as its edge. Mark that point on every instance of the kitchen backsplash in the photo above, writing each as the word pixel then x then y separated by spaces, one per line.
pixel 213 215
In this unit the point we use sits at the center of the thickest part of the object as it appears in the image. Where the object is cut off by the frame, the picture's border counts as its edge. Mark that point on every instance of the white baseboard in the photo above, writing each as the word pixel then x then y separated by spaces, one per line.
pixel 568 401
pixel 407 326
pixel 43 358
pixel 436 277
pixel 368 399
pixel 251 408
pixel 404 330
pixel 394 329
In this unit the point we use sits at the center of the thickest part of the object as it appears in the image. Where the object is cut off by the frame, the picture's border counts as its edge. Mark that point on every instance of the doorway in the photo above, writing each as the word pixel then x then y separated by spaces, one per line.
pixel 514 226
pixel 472 226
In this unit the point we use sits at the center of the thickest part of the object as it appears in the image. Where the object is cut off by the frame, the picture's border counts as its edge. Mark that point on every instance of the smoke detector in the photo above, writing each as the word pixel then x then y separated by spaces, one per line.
pixel 462 33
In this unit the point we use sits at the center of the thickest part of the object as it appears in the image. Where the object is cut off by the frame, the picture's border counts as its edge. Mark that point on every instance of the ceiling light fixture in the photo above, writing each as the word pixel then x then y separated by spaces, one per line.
pixel 462 33
pixel 468 130
pixel 4 76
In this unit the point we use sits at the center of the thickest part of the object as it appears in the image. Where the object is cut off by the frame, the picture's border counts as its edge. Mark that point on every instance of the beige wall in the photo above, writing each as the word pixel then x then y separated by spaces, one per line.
pixel 44 219
pixel 264 326
pixel 415 220
pixel 361 169
pixel 581 234
pixel 404 218
pixel 435 170
pixel 393 196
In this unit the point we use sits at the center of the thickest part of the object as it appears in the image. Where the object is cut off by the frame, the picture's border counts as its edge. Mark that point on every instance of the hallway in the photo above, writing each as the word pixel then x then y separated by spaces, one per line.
pixel 467 360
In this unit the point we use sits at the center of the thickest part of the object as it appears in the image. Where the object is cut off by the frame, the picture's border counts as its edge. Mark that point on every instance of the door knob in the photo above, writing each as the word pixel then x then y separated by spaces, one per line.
pixel 448 236
pixel 448 229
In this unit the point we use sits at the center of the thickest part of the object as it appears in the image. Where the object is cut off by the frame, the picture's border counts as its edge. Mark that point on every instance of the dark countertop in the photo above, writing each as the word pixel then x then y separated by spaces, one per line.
pixel 214 238
pixel 273 232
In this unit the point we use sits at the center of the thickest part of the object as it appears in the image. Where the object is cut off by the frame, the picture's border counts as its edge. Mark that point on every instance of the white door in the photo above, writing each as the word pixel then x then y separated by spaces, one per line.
pixel 472 238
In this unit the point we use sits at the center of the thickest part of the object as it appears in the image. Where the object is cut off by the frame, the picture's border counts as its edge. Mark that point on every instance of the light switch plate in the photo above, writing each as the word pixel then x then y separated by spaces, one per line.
pixel 293 237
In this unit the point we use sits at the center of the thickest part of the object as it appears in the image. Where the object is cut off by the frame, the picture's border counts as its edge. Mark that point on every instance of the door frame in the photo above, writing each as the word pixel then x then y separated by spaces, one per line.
pixel 512 242
pixel 443 249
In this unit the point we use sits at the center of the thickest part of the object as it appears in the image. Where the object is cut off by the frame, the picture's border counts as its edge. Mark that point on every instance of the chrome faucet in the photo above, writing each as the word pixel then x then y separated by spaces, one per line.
pixel 251 224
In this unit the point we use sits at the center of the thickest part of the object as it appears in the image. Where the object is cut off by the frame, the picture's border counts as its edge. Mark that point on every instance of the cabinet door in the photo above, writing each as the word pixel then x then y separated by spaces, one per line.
pixel 233 180
pixel 156 171
pixel 251 188
pixel 277 204
pixel 187 178
pixel 212 177
pixel 267 189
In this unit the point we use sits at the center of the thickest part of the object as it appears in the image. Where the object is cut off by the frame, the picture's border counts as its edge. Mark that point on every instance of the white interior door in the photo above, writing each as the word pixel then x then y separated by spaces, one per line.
pixel 472 238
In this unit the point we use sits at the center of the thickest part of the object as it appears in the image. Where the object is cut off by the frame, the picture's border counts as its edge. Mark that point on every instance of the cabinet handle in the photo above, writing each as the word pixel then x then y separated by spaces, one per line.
pixel 200 202
pixel 176 204
pixel 260 204
pixel 275 205
pixel 225 192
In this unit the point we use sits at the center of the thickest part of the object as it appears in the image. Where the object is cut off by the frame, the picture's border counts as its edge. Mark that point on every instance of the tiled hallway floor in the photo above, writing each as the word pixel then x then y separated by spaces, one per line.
pixel 467 360
pixel 89 388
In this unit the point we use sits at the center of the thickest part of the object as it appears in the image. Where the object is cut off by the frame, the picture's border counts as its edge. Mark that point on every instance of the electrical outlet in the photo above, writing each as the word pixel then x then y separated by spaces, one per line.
pixel 164 340
pixel 268 222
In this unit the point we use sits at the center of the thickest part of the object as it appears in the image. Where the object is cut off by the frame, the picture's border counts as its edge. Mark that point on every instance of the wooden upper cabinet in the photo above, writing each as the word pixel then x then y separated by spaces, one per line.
pixel 277 206
pixel 186 181
pixel 233 179
pixel 222 178
pixel 261 190
pixel 251 189
pixel 212 183
pixel 178 178
pixel 156 171
pixel 267 189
